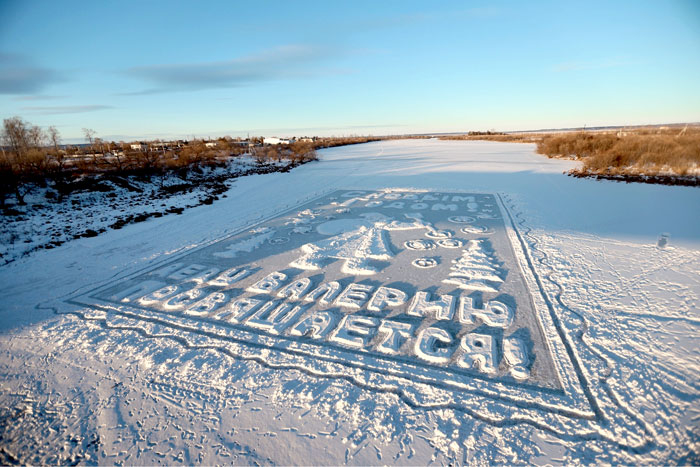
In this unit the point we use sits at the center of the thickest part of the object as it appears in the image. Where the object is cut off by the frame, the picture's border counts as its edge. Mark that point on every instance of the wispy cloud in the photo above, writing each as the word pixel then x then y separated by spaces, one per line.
pixel 292 61
pixel 37 97
pixel 66 109
pixel 18 75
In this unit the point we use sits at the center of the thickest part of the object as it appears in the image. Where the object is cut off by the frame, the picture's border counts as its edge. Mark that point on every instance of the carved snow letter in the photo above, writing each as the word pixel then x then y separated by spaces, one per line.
pixel 183 299
pixel 443 307
pixel 354 296
pixel 207 304
pixel 159 295
pixel 194 272
pixel 427 347
pixel 238 309
pixel 275 320
pixel 479 352
pixel 230 276
pixel 324 293
pixel 355 331
pixel 394 335
pixel 295 289
pixel 269 283
pixel 494 314
pixel 314 326
pixel 385 297
pixel 135 291
pixel 516 356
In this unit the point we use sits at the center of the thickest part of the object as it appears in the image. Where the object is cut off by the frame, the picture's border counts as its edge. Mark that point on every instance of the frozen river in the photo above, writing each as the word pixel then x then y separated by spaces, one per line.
pixel 400 302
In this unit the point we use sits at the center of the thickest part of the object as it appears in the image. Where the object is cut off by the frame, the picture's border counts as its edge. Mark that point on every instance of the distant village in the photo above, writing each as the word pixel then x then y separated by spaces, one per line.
pixel 31 155
pixel 259 147
pixel 223 142
pixel 107 148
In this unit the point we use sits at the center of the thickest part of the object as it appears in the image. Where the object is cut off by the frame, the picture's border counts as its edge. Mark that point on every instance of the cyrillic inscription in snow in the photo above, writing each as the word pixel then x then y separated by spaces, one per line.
pixel 414 279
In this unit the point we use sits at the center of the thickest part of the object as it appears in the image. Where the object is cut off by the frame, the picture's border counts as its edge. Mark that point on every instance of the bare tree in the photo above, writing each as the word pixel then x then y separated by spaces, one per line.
pixel 24 142
pixel 89 136
pixel 15 135
pixel 58 153
pixel 92 141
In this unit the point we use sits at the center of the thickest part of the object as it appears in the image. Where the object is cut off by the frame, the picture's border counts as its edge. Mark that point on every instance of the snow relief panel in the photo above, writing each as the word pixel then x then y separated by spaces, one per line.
pixel 425 286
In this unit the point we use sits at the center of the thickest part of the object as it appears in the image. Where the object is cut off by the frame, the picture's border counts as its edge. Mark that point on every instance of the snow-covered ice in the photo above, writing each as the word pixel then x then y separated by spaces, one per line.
pixel 405 302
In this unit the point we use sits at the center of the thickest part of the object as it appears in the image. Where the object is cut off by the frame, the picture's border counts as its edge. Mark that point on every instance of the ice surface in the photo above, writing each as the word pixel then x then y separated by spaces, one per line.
pixel 100 387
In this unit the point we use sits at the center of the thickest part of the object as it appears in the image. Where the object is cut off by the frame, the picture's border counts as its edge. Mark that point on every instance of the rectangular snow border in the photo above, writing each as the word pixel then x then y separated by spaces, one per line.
pixel 349 285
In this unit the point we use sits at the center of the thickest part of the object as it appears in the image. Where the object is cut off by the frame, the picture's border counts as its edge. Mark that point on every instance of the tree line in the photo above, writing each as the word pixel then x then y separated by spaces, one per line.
pixel 31 156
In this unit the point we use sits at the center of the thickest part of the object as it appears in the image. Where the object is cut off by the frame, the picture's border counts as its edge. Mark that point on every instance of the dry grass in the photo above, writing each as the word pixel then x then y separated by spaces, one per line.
pixel 646 151
pixel 635 152
pixel 30 157
pixel 333 142
pixel 502 137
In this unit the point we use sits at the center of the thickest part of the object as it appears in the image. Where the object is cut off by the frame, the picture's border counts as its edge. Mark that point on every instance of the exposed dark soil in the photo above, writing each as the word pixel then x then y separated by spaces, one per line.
pixel 673 180
pixel 201 189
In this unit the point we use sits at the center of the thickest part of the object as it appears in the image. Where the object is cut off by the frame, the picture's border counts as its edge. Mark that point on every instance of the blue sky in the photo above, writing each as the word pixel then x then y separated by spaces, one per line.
pixel 165 69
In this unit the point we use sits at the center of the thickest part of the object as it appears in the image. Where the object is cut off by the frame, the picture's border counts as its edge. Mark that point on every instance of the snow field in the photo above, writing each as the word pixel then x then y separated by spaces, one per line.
pixel 161 391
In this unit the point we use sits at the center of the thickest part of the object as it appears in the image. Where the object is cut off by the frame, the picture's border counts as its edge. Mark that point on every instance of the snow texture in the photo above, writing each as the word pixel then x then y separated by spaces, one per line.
pixel 141 346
